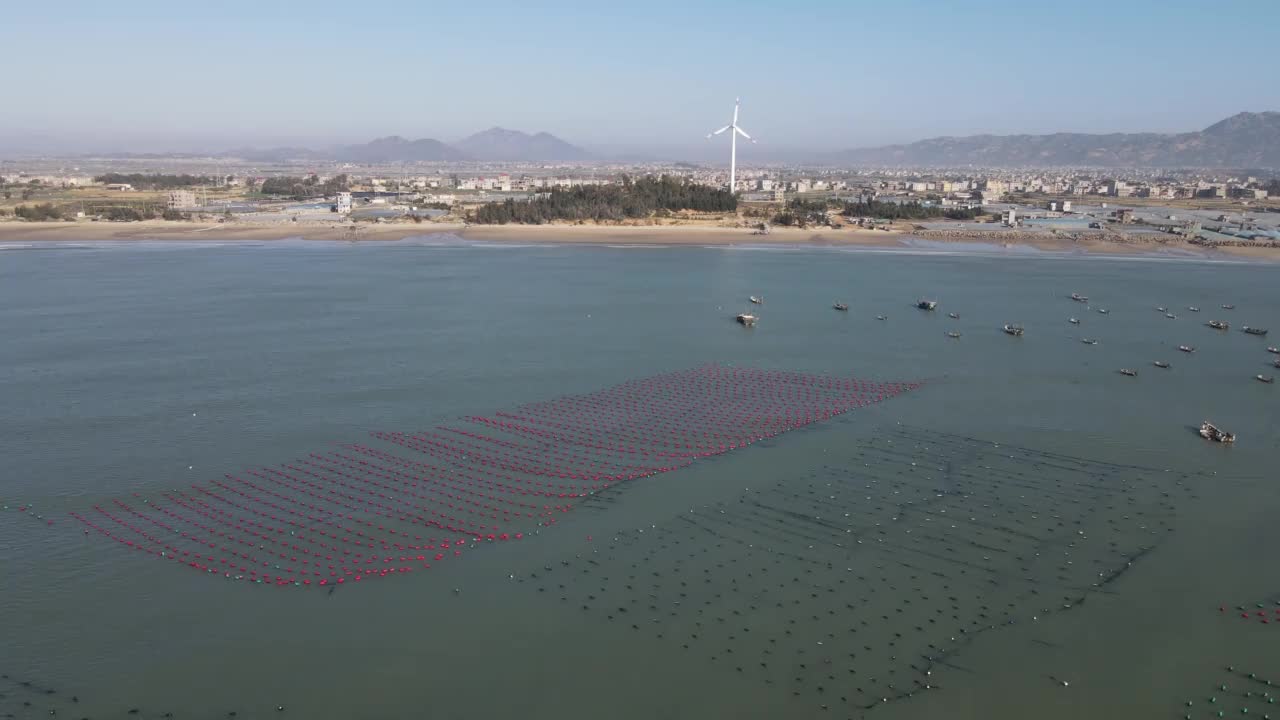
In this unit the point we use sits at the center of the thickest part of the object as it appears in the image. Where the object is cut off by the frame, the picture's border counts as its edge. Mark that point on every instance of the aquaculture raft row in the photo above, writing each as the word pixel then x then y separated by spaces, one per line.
pixel 362 512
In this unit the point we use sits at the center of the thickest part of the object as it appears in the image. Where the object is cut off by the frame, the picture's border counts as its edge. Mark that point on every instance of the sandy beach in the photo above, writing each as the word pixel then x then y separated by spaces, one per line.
pixel 676 234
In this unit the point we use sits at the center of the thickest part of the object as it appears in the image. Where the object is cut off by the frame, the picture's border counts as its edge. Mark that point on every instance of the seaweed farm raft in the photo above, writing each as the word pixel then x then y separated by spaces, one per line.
pixel 402 501
pixel 850 586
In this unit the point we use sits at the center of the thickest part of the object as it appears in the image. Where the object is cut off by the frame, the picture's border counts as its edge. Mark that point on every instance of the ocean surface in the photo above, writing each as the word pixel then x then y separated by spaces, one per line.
pixel 1029 533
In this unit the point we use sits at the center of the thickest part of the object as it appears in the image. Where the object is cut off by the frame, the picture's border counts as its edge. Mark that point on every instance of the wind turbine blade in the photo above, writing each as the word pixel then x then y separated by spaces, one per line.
pixel 741 132
pixel 726 127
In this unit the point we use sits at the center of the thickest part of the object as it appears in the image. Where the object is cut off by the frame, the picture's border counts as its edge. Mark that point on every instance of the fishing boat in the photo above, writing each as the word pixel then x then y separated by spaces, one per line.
pixel 1014 330
pixel 1209 431
pixel 1254 331
pixel 1089 341
pixel 953 316
pixel 1273 351
pixel 1103 311
pixel 953 334
pixel 1268 379
pixel 756 300
pixel 927 304
pixel 1171 316
pixel 746 319
pixel 842 307
pixel 1073 321
pixel 1127 371
pixel 1228 307
pixel 1186 348
pixel 1161 364
pixel 1219 325
pixel 1193 308
pixel 1079 298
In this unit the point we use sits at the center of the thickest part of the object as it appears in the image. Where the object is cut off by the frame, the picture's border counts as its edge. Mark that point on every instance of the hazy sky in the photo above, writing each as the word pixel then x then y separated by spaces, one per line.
pixel 814 74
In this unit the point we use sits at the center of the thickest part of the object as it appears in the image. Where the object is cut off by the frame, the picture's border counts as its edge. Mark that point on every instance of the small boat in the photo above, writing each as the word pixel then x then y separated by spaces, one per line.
pixel 1161 309
pixel 1186 348
pixel 1254 331
pixel 1219 325
pixel 1193 308
pixel 953 334
pixel 1265 378
pixel 842 307
pixel 1228 307
pixel 1161 364
pixel 882 317
pixel 1104 311
pixel 1089 341
pixel 1073 321
pixel 953 316
pixel 1276 364
pixel 927 304
pixel 746 319
pixel 756 300
pixel 1079 298
pixel 1014 330
pixel 1273 351
pixel 1127 371
pixel 1209 431
pixel 1171 316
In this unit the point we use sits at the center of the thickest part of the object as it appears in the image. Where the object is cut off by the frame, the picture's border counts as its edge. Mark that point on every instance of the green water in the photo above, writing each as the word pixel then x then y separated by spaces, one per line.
pixel 139 369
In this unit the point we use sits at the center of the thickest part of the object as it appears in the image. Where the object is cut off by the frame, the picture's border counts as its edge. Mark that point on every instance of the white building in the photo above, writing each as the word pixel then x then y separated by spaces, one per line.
pixel 181 200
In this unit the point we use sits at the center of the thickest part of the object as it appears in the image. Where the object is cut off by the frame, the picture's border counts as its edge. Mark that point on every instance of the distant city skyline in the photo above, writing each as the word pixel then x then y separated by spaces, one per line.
pixel 147 76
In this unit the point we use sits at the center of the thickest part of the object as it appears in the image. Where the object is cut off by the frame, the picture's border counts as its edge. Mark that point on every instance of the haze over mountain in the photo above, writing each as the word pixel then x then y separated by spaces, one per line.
pixel 398 149
pixel 501 144
pixel 1244 140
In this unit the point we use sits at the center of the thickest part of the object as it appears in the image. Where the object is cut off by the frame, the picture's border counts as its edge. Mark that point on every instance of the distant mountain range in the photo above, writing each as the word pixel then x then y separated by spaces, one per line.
pixel 495 144
pixel 1245 140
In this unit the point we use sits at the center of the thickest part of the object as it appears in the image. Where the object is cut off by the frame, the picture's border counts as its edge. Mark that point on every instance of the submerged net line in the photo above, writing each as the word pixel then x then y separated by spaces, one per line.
pixel 404 501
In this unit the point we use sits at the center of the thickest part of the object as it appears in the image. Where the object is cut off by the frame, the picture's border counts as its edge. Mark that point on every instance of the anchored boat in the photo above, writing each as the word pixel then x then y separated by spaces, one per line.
pixel 1273 351
pixel 1209 431
pixel 953 334
pixel 1089 341
pixel 1219 325
pixel 1268 379
pixel 1254 331
pixel 1186 348
pixel 1073 321
pixel 1161 364
pixel 1228 307
pixel 1014 330
pixel 842 307
pixel 1079 298
pixel 756 300
pixel 1103 311
pixel 927 304
pixel 746 319
pixel 1127 371
pixel 953 316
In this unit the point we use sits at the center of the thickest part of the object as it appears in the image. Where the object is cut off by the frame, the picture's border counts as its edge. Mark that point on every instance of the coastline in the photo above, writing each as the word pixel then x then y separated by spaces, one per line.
pixel 36 233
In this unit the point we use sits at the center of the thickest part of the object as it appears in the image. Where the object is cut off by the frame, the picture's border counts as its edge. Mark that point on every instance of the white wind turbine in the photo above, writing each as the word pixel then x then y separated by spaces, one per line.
pixel 733 145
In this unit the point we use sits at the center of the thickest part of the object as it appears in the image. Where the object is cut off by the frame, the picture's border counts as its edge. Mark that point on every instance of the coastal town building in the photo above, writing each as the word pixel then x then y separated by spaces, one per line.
pixel 181 200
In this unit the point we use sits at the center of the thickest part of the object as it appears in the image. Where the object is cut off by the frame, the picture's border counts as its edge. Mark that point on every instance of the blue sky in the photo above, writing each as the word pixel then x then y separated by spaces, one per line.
pixel 628 75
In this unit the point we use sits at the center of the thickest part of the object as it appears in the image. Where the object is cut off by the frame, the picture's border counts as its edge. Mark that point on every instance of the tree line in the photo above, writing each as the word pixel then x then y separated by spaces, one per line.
pixel 913 210
pixel 301 188
pixel 142 181
pixel 632 199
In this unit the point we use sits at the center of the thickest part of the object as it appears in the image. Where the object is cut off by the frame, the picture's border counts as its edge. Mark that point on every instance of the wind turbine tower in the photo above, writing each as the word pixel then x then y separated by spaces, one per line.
pixel 735 131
